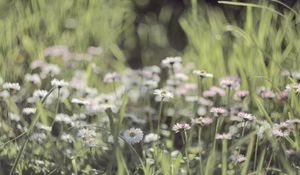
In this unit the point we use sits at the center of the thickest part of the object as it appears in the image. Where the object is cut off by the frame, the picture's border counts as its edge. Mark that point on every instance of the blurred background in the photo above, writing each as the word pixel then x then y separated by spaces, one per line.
pixel 136 33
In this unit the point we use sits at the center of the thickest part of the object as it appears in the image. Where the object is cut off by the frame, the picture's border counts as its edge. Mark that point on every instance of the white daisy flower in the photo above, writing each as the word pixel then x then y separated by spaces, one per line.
pixel 79 101
pixel 63 118
pixel 152 137
pixel 163 95
pixel 170 61
pixel 39 94
pixel 39 137
pixel 11 86
pixel 133 135
pixel 33 78
pixel 203 121
pixel 246 116
pixel 111 77
pixel 218 111
pixel 181 127
pixel 29 111
pixel 59 83
pixel 86 133
pixel 224 136
pixel 202 74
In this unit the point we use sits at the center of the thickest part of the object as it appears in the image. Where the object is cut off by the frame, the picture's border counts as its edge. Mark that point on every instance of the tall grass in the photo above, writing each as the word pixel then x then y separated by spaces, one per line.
pixel 257 49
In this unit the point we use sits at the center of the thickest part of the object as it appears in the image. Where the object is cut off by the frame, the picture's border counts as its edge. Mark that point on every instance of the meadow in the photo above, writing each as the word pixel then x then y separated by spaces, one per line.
pixel 85 89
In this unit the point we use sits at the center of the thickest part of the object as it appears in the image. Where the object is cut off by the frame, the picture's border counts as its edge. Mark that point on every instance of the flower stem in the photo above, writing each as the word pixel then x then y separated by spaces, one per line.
pixel 184 140
pixel 216 131
pixel 160 116
pixel 255 154
pixel 224 156
pixel 199 143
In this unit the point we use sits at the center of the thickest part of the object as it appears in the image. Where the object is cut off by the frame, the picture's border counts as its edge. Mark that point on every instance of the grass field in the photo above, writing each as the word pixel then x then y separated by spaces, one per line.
pixel 70 103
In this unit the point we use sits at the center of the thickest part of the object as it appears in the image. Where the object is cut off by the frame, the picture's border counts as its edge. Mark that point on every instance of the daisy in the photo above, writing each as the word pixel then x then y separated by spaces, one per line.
pixel 230 82
pixel 163 95
pixel 181 127
pixel 202 74
pixel 51 70
pixel 39 94
pixel 170 61
pixel 203 121
pixel 79 101
pixel 240 95
pixel 86 133
pixel 133 135
pixel 29 111
pixel 11 86
pixel 33 78
pixel 152 137
pixel 59 83
pixel 224 136
pixel 218 111
pixel 111 77
pixel 246 116
pixel 284 129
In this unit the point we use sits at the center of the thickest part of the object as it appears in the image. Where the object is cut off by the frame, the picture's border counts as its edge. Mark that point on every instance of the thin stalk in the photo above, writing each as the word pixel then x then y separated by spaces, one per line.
pixel 269 162
pixel 115 89
pixel 199 91
pixel 57 105
pixel 248 156
pixel 139 157
pixel 224 157
pixel 184 140
pixel 242 135
pixel 7 142
pixel 199 143
pixel 228 99
pixel 216 131
pixel 160 115
pixel 255 154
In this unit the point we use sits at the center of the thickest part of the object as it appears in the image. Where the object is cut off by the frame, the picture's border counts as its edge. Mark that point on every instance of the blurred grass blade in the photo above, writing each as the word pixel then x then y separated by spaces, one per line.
pixel 29 132
pixel 251 5
pixel 248 155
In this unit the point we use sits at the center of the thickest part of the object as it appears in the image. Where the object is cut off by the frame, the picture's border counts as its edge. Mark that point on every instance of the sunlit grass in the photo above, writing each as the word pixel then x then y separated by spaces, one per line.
pixel 86 135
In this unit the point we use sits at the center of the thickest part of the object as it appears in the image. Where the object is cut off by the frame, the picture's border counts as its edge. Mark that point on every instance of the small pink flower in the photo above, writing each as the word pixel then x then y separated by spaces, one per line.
pixel 241 94
pixel 230 82
pixel 203 121
pixel 218 111
pixel 181 127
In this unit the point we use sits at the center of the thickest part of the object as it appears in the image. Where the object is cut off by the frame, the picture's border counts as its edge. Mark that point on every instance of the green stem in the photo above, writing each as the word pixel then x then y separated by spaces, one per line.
pixel 224 157
pixel 160 116
pixel 255 155
pixel 139 157
pixel 199 143
pixel 216 131
pixel 184 140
